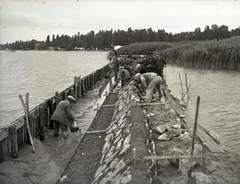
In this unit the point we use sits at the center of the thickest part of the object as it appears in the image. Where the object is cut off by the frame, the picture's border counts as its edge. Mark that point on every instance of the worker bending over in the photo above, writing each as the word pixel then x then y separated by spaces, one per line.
pixel 149 81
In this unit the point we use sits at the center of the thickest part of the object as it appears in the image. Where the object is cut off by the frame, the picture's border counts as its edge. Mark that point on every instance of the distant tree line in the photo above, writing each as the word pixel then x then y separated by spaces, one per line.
pixel 103 39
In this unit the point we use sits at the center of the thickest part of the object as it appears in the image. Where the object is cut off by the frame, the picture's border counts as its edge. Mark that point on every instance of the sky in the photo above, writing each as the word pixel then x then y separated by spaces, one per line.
pixel 36 19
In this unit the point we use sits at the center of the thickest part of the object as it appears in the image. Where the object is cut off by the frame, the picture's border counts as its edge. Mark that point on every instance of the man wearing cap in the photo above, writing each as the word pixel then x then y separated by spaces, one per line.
pixel 161 63
pixel 150 81
pixel 150 64
pixel 62 116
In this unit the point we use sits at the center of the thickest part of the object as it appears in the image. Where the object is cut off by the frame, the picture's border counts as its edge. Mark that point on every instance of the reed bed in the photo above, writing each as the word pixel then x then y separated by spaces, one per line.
pixel 215 54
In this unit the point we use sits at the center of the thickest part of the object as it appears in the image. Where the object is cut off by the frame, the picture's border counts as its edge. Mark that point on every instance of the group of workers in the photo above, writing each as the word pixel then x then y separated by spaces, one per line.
pixel 147 72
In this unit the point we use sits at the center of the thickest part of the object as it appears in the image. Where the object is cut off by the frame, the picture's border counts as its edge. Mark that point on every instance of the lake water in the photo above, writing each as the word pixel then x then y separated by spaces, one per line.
pixel 41 73
pixel 219 94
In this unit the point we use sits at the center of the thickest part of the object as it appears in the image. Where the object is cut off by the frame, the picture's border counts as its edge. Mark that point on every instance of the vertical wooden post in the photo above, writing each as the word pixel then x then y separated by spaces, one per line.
pixel 57 98
pixel 94 78
pixel 87 83
pixel 97 75
pixel 36 122
pixel 14 141
pixel 90 81
pixel 69 91
pixel 30 120
pixel 42 122
pixel 31 125
pixel 203 158
pixel 23 135
pixel 66 93
pixel 27 101
pixel 75 87
pixel 51 111
pixel 46 113
pixel 194 135
pixel 56 125
pixel 79 86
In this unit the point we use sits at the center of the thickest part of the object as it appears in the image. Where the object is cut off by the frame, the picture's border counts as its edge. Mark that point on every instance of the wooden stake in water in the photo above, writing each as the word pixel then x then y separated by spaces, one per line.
pixel 194 135
pixel 187 86
pixel 187 91
pixel 27 123
pixel 181 83
pixel 203 158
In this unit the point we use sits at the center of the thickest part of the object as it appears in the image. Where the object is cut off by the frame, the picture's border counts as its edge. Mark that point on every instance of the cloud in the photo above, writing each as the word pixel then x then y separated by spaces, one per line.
pixel 42 18
pixel 14 20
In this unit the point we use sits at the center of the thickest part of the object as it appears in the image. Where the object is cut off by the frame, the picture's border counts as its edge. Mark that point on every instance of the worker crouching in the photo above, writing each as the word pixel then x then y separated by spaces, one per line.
pixel 150 81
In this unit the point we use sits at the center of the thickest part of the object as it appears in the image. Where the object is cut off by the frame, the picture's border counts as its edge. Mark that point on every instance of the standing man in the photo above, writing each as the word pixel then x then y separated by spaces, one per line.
pixel 150 81
pixel 161 63
pixel 150 64
pixel 113 62
pixel 114 65
pixel 63 116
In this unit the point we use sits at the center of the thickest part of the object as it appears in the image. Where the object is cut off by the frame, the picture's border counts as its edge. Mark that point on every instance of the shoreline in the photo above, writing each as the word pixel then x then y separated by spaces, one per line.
pixel 14 136
pixel 53 153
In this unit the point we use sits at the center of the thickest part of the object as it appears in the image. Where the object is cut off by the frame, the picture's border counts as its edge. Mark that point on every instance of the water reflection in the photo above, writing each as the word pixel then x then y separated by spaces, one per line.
pixel 220 99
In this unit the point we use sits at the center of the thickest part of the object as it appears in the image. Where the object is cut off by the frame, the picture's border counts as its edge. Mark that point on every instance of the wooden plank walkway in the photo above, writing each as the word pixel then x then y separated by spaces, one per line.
pixel 189 123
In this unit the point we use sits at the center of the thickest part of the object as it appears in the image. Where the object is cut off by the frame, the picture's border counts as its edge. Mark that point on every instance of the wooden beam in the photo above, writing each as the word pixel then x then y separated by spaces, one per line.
pixel 170 157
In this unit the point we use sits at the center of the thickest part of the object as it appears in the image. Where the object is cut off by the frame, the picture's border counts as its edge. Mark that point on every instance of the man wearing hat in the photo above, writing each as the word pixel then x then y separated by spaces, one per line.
pixel 150 81
pixel 63 116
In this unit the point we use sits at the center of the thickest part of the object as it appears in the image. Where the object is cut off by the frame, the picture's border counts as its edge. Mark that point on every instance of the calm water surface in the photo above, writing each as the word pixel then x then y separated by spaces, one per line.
pixel 219 101
pixel 42 73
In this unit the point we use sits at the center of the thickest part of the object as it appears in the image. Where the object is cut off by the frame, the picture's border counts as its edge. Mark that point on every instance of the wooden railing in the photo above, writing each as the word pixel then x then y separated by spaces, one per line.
pixel 15 136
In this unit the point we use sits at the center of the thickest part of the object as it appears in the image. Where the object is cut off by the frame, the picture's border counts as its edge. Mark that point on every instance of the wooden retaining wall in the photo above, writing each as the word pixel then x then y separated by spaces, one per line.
pixel 15 136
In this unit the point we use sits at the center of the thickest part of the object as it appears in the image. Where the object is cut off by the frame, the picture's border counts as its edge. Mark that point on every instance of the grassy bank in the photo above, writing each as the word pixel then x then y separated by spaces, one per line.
pixel 214 54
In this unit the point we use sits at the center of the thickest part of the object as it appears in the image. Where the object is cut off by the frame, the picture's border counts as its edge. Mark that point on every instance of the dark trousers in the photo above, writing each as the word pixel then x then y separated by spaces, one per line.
pixel 56 129
pixel 57 126
pixel 160 73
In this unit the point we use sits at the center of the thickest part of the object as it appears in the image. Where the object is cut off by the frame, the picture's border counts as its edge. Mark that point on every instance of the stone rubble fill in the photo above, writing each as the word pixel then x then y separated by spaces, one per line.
pixel 113 168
